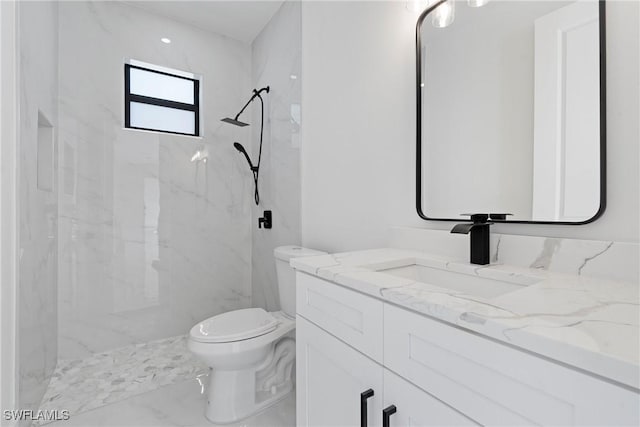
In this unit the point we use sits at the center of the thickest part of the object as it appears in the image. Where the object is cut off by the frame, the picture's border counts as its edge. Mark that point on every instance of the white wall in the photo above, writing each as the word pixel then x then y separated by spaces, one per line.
pixel 151 243
pixel 275 62
pixel 358 145
pixel 358 111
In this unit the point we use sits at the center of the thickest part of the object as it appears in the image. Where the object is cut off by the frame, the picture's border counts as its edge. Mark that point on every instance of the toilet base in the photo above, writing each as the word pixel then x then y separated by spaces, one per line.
pixel 237 394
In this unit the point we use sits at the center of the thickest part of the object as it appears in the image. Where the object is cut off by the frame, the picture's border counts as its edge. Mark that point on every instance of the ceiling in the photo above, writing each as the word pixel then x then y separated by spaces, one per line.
pixel 240 19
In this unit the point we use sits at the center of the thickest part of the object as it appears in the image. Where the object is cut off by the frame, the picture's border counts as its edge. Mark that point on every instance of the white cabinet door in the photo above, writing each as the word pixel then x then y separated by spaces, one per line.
pixel 414 407
pixel 330 379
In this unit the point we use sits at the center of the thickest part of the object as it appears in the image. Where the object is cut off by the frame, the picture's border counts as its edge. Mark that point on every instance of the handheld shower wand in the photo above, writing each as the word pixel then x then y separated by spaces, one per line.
pixel 234 121
pixel 241 149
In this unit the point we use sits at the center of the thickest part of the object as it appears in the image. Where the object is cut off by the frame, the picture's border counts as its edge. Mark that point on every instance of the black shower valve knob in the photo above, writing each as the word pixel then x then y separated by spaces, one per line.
pixel 266 220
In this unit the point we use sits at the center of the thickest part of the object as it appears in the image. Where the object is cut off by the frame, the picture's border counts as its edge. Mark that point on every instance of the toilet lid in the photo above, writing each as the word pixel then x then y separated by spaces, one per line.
pixel 234 325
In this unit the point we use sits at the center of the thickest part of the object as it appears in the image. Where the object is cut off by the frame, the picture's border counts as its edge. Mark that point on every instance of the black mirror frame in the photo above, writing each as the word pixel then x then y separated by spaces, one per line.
pixel 603 126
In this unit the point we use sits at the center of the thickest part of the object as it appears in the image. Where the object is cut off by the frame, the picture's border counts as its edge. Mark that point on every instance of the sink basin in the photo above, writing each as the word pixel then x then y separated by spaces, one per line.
pixel 459 282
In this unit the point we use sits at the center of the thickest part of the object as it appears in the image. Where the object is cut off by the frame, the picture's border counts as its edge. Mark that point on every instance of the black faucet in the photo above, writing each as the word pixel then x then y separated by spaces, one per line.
pixel 479 230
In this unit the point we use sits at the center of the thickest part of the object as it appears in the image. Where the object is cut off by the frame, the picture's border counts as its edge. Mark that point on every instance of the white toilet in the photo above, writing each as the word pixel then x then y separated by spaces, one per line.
pixel 251 352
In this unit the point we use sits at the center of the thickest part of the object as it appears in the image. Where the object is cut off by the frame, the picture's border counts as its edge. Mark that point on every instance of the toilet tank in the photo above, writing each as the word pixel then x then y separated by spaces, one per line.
pixel 286 275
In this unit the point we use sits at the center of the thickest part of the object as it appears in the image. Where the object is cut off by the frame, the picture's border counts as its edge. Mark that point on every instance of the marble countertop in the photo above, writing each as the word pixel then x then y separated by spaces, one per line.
pixel 588 323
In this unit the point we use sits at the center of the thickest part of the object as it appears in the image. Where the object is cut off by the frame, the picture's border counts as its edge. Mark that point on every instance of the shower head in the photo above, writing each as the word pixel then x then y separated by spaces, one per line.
pixel 235 122
pixel 256 94
pixel 241 149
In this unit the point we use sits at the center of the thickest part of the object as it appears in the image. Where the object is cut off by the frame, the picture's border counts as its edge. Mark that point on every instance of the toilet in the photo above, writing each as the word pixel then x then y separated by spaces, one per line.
pixel 251 352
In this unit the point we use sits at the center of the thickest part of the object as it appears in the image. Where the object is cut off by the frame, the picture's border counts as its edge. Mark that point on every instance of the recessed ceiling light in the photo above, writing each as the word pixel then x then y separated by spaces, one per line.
pixel 293 77
pixel 165 40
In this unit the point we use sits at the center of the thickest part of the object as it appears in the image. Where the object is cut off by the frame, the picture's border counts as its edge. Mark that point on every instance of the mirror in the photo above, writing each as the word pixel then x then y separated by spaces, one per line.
pixel 511 113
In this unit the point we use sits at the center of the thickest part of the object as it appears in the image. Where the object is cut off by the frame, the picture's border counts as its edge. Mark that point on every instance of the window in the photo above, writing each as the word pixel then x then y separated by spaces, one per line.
pixel 161 100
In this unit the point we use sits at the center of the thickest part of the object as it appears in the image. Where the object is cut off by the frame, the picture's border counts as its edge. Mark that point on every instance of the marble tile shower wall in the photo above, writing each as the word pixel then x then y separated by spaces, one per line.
pixel 38 209
pixel 276 61
pixel 150 242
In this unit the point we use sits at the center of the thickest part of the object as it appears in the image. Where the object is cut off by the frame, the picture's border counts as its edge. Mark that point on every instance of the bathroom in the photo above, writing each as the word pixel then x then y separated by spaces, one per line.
pixel 141 255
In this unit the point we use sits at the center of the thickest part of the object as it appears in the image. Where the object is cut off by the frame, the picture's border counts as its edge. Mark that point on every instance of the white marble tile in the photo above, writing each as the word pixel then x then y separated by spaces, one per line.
pixel 105 378
pixel 38 208
pixel 583 321
pixel 180 404
pixel 150 242
pixel 276 62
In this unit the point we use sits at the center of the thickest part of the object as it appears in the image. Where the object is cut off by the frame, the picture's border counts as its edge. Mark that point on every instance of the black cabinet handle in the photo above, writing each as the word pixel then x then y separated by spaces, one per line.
pixel 386 414
pixel 363 406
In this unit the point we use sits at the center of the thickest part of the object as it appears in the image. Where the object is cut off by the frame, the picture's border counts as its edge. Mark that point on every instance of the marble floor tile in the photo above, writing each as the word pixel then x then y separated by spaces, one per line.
pixel 181 404
pixel 85 384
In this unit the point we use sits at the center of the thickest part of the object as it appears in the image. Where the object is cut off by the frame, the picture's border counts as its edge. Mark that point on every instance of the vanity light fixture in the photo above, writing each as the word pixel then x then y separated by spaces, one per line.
pixel 444 14
pixel 165 40
pixel 477 3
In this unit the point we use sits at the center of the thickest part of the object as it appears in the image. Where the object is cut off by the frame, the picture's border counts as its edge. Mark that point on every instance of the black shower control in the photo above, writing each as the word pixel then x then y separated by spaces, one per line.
pixel 265 220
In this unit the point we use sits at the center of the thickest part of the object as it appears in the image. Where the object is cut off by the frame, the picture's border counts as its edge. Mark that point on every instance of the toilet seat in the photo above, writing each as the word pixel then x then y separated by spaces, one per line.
pixel 236 325
pixel 234 349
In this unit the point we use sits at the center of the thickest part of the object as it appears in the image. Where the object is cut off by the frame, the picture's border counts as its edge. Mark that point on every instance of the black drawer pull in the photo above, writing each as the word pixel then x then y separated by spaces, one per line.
pixel 386 414
pixel 363 406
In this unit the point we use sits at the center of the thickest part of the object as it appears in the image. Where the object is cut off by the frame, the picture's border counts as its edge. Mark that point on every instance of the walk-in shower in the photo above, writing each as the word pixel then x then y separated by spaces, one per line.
pixel 128 237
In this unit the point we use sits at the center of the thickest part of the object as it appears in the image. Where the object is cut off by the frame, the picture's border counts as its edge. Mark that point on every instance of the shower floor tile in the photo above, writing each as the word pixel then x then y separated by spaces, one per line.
pixel 181 404
pixel 105 378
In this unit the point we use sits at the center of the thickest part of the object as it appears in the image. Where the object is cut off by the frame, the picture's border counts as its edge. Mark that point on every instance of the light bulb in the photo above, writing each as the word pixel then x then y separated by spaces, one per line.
pixel 477 3
pixel 444 14
pixel 165 40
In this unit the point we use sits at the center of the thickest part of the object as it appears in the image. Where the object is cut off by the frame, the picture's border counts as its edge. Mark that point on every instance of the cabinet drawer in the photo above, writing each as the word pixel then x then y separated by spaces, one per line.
pixel 354 318
pixel 495 384
pixel 417 408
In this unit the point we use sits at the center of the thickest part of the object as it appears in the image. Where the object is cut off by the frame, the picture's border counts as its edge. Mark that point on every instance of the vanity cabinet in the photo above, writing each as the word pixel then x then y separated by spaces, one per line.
pixel 430 372
pixel 339 386
pixel 333 377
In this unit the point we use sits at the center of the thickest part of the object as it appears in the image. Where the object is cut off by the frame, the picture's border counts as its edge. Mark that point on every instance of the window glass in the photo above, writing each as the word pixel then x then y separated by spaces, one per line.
pixel 154 117
pixel 157 100
pixel 156 85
